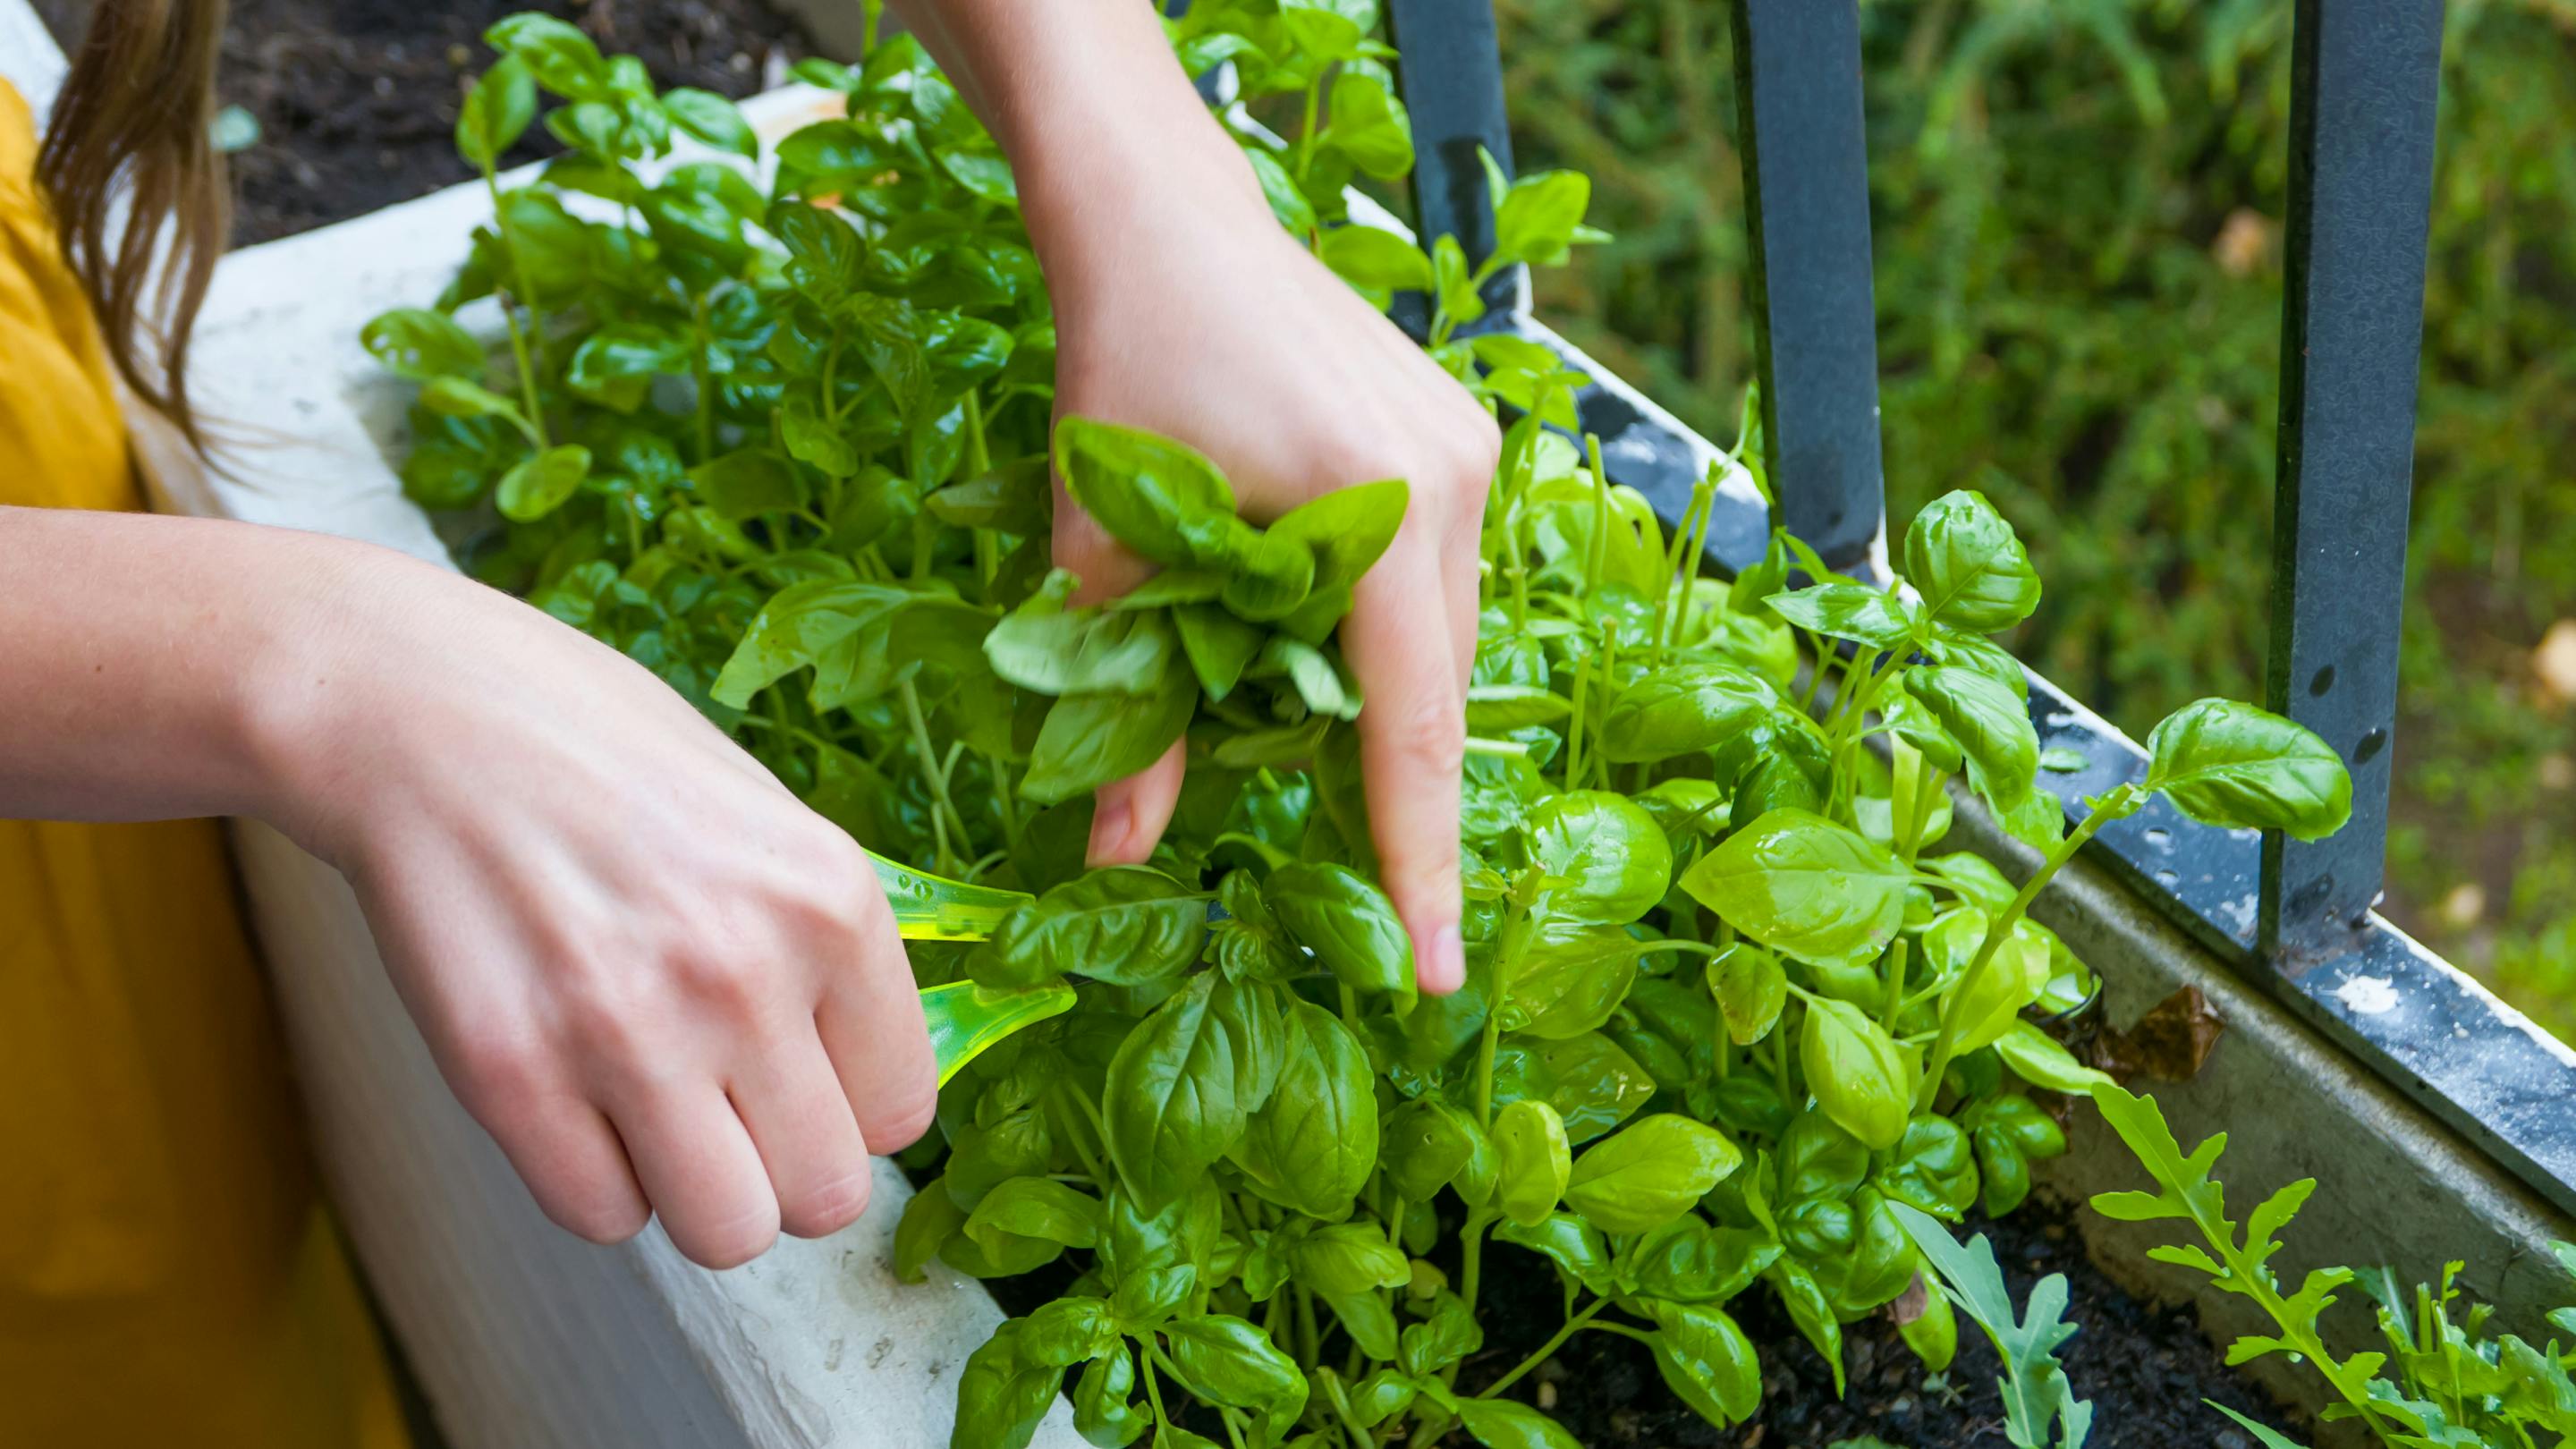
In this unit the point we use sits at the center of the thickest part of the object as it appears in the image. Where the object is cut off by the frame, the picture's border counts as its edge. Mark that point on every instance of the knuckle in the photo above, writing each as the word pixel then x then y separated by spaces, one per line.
pixel 597 1213
pixel 902 1118
pixel 728 1244
pixel 718 979
pixel 828 1207
pixel 1428 733
pixel 497 1071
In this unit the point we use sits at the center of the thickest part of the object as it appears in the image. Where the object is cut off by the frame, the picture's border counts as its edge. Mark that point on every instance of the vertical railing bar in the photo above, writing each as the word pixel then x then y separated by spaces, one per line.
pixel 1449 72
pixel 2364 83
pixel 1806 190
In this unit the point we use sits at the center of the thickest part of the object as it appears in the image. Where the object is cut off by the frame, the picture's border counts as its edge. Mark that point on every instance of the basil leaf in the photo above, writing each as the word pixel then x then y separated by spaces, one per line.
pixel 1163 499
pixel 1860 1076
pixel 1610 861
pixel 1537 219
pixel 1047 646
pixel 1002 1393
pixel 1968 565
pixel 1088 740
pixel 1504 1424
pixel 420 344
pixel 1682 708
pixel 1532 1162
pixel 1991 724
pixel 1346 1259
pixel 1805 887
pixel 710 118
pixel 1650 1173
pixel 1705 1359
pixel 1347 922
pixel 2232 765
pixel 1226 1360
pixel 1128 925
pixel 1348 529
pixel 1574 1245
pixel 1170 1108
pixel 542 482
pixel 1932 1167
pixel 1375 261
pixel 1846 611
pixel 1320 1128
pixel 1103 1409
pixel 1036 1207
pixel 1751 990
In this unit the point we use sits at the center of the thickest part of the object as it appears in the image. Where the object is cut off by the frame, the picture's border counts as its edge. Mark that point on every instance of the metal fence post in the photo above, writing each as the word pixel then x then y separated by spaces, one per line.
pixel 1450 71
pixel 1806 194
pixel 2365 76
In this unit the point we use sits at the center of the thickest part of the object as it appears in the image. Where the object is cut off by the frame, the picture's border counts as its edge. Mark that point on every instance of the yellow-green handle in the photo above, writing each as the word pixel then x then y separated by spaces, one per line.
pixel 934 908
pixel 966 1018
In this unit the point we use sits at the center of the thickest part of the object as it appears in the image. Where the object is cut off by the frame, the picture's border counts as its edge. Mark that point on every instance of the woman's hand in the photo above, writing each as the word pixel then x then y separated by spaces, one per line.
pixel 661 983
pixel 1182 307
pixel 1202 320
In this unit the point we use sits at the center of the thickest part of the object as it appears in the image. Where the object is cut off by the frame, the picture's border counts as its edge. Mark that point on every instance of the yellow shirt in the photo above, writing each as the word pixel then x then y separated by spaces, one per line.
pixel 168 1276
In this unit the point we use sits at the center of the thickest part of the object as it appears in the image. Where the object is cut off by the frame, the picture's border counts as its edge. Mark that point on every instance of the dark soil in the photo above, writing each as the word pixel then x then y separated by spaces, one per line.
pixel 356 99
pixel 2145 1368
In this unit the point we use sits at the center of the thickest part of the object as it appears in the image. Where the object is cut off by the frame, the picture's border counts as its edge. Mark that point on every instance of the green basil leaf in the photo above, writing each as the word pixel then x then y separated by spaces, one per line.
pixel 1505 1424
pixel 746 483
pixel 711 118
pixel 1611 862
pixel 2232 765
pixel 1532 1161
pixel 420 344
pixel 1706 1360
pixel 1348 529
pixel 1319 1129
pixel 1048 646
pixel 1104 1412
pixel 1688 1261
pixel 1536 221
pixel 1682 708
pixel 1446 1337
pixel 1932 1167
pixel 1128 925
pixel 542 482
pixel 1991 724
pixel 1225 1360
pixel 1426 1145
pixel 1347 922
pixel 929 1220
pixel 1170 1107
pixel 1089 740
pixel 1751 990
pixel 1859 1075
pixel 1369 125
pixel 1037 1207
pixel 1349 1258
pixel 1590 1080
pixel 1570 978
pixel 1574 1245
pixel 1163 499
pixel 1002 1393
pixel 1650 1173
pixel 1968 565
pixel 496 112
pixel 1375 261
pixel 1846 611
pixel 2037 1058
pixel 1805 887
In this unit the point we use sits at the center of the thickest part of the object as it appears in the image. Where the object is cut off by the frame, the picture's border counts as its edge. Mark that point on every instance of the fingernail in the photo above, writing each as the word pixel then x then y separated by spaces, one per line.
pixel 1444 965
pixel 1109 828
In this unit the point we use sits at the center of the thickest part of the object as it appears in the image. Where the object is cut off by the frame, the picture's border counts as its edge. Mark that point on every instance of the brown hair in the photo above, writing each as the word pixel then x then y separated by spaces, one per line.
pixel 132 119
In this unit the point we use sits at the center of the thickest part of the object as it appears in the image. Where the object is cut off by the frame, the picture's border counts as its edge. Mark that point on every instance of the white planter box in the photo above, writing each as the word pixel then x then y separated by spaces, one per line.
pixel 520 1333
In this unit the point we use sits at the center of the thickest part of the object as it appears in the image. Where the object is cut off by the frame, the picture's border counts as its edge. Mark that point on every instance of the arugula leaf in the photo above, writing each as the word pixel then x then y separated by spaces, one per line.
pixel 2040 1407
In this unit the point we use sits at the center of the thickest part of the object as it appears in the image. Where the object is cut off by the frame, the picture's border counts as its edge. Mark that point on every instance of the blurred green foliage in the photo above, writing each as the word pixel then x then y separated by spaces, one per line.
pixel 2077 209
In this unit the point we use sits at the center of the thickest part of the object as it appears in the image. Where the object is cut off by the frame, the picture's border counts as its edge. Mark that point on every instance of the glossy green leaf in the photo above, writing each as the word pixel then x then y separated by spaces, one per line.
pixel 1129 925
pixel 1706 1360
pixel 1347 922
pixel 1610 861
pixel 1968 565
pixel 2229 764
pixel 542 482
pixel 1682 708
pixel 1859 1075
pixel 1532 1162
pixel 1806 887
pixel 420 344
pixel 1649 1173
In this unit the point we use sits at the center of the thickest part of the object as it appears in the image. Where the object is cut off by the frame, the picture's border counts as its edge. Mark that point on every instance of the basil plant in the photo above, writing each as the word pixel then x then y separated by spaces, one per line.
pixel 784 438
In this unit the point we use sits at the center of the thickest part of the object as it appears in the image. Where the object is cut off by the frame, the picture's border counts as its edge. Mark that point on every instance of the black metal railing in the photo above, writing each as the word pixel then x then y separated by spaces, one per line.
pixel 2298 916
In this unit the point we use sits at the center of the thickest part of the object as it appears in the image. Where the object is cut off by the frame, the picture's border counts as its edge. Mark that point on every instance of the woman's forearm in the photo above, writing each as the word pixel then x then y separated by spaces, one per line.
pixel 148 665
